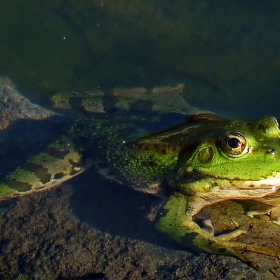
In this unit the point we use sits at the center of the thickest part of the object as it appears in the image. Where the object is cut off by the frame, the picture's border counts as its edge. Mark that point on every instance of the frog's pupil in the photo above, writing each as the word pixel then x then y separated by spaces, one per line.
pixel 234 143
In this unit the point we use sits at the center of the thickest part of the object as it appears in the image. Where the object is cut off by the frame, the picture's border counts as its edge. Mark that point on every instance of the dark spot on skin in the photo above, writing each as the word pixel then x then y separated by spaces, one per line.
pixel 59 175
pixel 19 186
pixel 163 213
pixel 40 171
pixel 188 239
pixel 251 186
pixel 254 265
pixel 222 250
pixel 43 174
pixel 262 127
pixel 56 153
pixel 77 103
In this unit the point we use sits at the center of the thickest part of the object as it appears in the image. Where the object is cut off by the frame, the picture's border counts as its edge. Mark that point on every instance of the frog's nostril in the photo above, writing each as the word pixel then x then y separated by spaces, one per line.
pixel 271 152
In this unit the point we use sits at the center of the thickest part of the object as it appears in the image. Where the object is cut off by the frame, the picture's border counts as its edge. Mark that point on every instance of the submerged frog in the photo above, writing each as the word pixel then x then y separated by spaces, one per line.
pixel 204 160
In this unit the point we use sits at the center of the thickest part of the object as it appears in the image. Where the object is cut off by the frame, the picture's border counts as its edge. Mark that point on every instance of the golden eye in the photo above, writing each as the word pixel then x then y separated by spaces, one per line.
pixel 235 144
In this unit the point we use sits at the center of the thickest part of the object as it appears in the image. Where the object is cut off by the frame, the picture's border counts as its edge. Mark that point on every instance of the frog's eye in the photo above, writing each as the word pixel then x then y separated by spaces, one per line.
pixel 235 144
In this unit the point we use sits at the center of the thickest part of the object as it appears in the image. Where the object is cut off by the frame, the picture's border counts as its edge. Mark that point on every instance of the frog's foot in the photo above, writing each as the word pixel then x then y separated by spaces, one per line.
pixel 273 213
pixel 208 226
pixel 222 244
pixel 182 227
pixel 255 213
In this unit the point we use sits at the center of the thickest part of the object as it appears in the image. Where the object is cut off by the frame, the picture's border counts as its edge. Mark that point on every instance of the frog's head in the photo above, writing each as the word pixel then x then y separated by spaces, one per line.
pixel 233 153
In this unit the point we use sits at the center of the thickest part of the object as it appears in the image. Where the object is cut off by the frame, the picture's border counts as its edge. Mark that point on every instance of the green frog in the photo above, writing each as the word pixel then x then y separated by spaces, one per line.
pixel 204 160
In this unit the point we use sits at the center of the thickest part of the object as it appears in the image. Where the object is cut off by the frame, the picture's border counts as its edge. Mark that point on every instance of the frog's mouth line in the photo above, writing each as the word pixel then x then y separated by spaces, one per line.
pixel 272 183
pixel 220 188
pixel 205 189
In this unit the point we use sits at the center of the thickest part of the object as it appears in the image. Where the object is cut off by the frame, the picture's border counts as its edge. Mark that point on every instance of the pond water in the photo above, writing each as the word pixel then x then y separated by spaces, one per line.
pixel 227 55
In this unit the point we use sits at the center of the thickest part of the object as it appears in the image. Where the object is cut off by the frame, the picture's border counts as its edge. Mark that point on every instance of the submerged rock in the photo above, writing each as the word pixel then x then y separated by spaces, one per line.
pixel 14 106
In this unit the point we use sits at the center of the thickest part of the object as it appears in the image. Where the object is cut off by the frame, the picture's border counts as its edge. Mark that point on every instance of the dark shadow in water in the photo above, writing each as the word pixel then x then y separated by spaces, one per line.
pixel 116 209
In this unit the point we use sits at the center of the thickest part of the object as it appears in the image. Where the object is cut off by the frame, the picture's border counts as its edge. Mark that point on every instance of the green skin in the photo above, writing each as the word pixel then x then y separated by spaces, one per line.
pixel 205 160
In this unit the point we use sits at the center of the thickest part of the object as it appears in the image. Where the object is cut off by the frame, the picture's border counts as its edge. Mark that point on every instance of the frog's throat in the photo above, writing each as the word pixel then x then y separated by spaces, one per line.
pixel 219 189
pixel 265 191
pixel 245 190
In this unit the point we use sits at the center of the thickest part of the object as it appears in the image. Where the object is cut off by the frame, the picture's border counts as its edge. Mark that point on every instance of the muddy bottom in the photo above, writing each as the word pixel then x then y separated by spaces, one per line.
pixel 92 228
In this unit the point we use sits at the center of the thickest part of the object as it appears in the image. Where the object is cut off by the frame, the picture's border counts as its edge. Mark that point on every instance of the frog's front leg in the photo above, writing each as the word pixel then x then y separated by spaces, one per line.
pixel 176 219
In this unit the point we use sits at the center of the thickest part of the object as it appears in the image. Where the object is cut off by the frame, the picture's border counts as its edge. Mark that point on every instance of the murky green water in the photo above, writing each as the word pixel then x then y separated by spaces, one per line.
pixel 227 53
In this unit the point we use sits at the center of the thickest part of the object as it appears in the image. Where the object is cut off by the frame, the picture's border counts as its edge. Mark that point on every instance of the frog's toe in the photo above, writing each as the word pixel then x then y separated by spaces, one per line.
pixel 251 248
pixel 235 248
pixel 254 213
pixel 222 244
pixel 225 241
pixel 208 226
pixel 230 235
pixel 277 221
pixel 273 213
